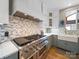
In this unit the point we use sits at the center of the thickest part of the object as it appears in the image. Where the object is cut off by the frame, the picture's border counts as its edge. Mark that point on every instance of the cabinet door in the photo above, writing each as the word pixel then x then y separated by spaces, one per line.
pixel 13 56
pixel 69 46
pixel 54 40
pixel 61 44
pixel 49 41
pixel 4 11
pixel 73 47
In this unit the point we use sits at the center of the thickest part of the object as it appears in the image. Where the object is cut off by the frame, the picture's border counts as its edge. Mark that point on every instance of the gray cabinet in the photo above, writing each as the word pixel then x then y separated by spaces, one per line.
pixel 73 47
pixel 66 45
pixel 8 51
pixel 13 56
pixel 60 44
pixel 54 40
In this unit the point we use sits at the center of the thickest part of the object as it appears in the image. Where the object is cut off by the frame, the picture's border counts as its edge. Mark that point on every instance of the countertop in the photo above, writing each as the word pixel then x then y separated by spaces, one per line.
pixel 66 37
pixel 7 48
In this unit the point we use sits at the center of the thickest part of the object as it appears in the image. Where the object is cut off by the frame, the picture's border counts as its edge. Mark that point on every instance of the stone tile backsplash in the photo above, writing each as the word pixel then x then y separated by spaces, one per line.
pixel 72 32
pixel 23 27
pixel 68 32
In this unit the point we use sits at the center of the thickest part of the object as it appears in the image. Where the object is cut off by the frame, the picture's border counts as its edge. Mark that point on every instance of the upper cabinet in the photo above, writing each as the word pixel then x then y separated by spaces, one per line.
pixel 4 11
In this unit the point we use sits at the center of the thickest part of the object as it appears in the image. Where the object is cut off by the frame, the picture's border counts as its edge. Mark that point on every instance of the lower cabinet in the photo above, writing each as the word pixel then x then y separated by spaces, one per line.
pixel 73 47
pixel 66 45
pixel 54 40
pixel 13 56
pixel 61 44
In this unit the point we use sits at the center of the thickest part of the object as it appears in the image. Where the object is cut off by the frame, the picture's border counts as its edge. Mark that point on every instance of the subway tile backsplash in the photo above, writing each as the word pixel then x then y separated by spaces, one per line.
pixel 23 27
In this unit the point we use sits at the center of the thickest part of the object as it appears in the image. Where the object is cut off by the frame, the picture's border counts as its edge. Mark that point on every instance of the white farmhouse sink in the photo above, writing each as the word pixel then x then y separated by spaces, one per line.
pixel 71 38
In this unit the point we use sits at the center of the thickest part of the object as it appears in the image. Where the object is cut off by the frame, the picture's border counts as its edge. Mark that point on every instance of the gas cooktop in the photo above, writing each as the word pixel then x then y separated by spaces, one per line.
pixel 21 41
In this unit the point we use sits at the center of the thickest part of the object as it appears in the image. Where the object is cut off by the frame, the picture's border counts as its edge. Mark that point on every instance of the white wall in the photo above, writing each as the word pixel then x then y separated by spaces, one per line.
pixel 4 11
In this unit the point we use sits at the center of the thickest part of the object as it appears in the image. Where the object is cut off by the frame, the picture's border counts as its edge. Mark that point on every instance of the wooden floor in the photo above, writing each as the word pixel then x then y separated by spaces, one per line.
pixel 54 54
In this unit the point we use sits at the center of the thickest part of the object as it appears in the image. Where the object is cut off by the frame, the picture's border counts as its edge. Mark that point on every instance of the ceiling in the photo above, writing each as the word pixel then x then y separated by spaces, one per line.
pixel 60 4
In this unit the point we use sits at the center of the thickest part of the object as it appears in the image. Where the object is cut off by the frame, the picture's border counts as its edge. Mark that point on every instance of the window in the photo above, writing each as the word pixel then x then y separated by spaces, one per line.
pixel 71 22
pixel 71 19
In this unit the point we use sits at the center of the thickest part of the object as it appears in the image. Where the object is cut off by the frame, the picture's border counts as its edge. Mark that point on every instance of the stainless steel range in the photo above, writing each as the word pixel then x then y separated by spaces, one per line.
pixel 32 47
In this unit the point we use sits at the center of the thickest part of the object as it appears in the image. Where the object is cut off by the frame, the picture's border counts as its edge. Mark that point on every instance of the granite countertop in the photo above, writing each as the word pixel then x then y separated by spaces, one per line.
pixel 66 37
pixel 71 38
pixel 7 48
